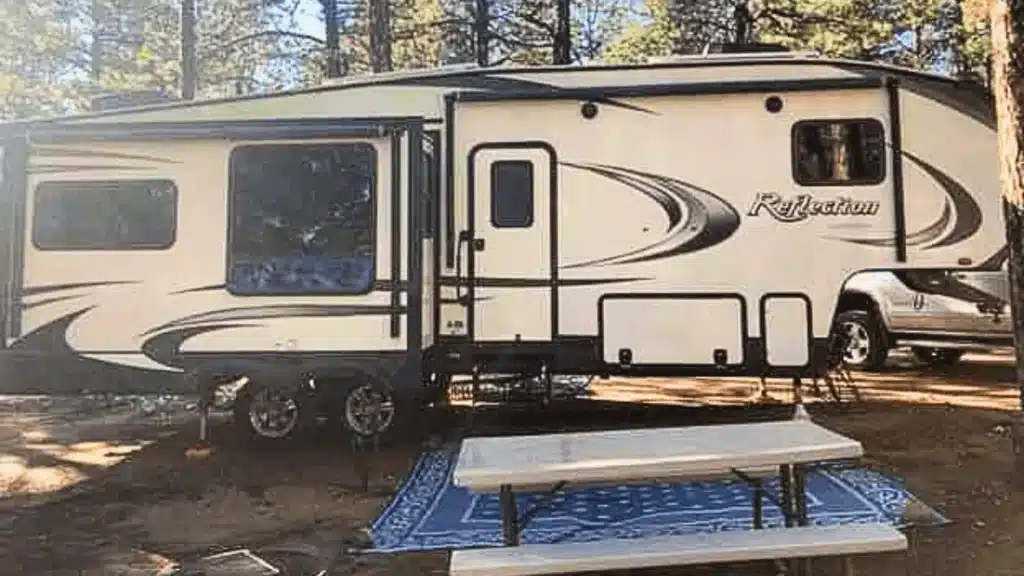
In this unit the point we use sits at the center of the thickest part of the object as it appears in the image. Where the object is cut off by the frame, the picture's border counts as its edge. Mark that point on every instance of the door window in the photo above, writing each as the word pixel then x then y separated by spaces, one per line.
pixel 512 194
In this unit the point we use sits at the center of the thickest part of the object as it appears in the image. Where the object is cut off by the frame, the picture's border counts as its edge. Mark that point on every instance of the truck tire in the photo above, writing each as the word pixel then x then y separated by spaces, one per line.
pixel 867 348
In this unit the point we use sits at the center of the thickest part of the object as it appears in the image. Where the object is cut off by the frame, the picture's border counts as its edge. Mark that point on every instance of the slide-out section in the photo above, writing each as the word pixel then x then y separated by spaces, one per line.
pixel 673 329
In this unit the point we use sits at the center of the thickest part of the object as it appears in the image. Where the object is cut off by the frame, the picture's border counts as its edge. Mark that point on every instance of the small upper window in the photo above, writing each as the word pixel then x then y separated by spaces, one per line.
pixel 512 194
pixel 838 152
pixel 105 215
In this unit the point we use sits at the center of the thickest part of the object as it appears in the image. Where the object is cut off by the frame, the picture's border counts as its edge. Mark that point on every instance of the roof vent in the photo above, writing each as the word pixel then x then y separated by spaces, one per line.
pixel 743 48
pixel 132 99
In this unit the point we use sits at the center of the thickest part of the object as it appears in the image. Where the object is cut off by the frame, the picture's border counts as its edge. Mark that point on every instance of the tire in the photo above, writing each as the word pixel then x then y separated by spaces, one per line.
pixel 285 419
pixel 937 356
pixel 368 408
pixel 867 349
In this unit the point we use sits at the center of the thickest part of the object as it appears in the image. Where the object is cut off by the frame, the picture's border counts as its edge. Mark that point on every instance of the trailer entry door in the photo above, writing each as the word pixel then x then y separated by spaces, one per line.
pixel 510 251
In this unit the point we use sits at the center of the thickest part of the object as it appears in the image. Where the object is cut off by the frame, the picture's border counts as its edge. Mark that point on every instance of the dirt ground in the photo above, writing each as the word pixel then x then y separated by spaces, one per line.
pixel 102 486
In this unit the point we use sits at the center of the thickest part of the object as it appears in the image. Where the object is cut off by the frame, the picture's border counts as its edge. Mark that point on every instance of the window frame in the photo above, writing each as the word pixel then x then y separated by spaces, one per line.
pixel 161 247
pixel 431 176
pixel 795 151
pixel 533 186
pixel 233 159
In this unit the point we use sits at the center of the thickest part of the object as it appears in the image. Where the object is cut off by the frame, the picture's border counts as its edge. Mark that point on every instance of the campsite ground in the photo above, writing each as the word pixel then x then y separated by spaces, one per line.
pixel 103 486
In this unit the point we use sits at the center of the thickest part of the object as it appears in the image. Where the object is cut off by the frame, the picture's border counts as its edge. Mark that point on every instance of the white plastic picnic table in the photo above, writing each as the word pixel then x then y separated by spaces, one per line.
pixel 508 463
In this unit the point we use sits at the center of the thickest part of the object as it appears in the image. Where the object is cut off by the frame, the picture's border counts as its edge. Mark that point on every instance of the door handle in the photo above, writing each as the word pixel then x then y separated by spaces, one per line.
pixel 464 238
pixel 918 301
pixel 478 244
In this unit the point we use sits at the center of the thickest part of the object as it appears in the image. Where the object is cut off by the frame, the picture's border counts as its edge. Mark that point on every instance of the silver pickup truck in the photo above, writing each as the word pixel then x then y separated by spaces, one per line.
pixel 880 311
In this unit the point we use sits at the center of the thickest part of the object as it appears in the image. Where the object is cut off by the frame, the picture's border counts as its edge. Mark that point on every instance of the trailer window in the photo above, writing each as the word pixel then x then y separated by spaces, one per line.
pixel 104 215
pixel 838 152
pixel 302 219
pixel 512 194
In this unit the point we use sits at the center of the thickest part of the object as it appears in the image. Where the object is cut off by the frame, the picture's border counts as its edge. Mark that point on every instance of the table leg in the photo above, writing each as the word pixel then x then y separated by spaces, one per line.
pixel 786 487
pixel 509 517
pixel 758 504
pixel 800 493
pixel 790 487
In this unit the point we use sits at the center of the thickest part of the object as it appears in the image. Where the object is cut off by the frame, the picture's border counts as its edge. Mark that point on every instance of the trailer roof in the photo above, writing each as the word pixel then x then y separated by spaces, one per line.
pixel 456 78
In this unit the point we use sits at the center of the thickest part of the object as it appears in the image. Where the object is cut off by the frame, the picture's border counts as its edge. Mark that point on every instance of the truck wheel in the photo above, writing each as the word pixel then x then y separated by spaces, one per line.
pixel 937 356
pixel 866 348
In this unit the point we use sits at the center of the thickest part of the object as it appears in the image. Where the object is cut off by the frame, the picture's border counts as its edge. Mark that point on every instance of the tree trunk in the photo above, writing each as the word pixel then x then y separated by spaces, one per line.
pixel 481 35
pixel 380 36
pixel 333 67
pixel 562 46
pixel 1008 87
pixel 189 73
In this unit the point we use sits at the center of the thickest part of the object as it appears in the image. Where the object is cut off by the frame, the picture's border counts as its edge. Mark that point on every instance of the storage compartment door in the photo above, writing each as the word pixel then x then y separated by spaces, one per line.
pixel 786 330
pixel 672 330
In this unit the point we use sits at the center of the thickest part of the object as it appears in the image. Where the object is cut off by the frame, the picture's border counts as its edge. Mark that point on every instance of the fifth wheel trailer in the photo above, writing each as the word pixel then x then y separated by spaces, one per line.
pixel 370 238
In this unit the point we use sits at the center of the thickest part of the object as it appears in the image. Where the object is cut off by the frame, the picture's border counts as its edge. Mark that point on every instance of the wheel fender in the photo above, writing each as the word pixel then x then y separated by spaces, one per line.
pixel 874 307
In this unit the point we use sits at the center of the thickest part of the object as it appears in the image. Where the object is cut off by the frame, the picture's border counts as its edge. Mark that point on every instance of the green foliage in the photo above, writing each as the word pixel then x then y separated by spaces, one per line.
pixel 57 54
pixel 653 33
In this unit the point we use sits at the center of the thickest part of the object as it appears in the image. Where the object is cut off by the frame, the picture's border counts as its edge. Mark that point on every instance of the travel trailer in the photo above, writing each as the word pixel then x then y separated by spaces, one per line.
pixel 368 239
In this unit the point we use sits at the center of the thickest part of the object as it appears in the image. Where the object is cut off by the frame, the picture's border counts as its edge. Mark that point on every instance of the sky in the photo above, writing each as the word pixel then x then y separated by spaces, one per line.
pixel 309 18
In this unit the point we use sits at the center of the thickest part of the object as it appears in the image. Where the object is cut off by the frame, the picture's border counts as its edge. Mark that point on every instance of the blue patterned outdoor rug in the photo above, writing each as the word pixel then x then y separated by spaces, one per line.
pixel 429 513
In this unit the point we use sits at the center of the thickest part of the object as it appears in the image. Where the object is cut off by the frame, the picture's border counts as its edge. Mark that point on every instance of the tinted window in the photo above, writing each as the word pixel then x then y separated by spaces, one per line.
pixel 512 194
pixel 105 215
pixel 829 152
pixel 302 219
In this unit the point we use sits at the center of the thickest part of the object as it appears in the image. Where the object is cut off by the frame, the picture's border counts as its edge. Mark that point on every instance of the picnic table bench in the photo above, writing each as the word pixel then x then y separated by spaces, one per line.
pixel 751 452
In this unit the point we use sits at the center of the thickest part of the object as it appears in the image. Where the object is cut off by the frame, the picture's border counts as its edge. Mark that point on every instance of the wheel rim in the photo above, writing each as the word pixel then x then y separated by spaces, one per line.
pixel 369 411
pixel 273 414
pixel 858 344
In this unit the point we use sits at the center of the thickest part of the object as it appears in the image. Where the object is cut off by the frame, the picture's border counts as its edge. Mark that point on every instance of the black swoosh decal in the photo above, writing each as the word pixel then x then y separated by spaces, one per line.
pixel 278 311
pixel 625 106
pixel 57 169
pixel 669 204
pixel 73 153
pixel 166 348
pixel 960 208
pixel 710 220
pixel 968 213
pixel 49 336
pixel 44 302
pixel 33 290
pixel 481 282
pixel 923 236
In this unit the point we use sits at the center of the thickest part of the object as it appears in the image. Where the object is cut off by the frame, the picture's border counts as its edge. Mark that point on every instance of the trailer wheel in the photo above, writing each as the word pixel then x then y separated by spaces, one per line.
pixel 268 412
pixel 368 408
pixel 866 348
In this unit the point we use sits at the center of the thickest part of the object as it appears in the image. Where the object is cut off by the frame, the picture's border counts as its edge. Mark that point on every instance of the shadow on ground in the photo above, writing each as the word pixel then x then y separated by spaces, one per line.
pixel 945 433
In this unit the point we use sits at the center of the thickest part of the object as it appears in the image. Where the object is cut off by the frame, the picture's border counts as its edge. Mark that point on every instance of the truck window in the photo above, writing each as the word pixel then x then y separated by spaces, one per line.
pixel 104 215
pixel 302 219
pixel 839 152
